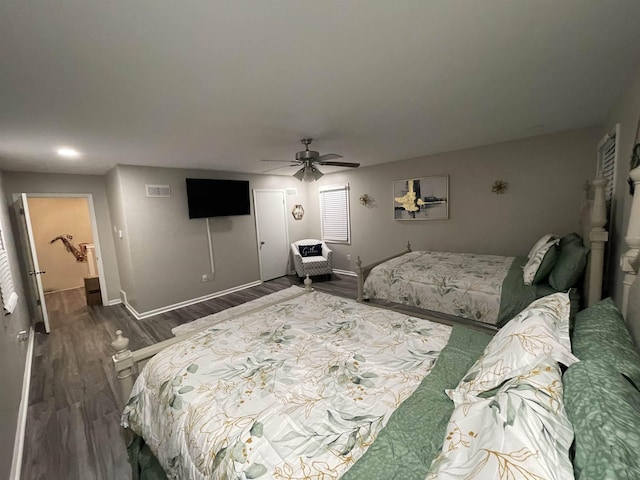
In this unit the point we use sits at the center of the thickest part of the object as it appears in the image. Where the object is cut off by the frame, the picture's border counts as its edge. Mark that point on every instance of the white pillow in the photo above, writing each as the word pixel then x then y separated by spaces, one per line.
pixel 522 431
pixel 538 333
pixel 532 266
pixel 543 240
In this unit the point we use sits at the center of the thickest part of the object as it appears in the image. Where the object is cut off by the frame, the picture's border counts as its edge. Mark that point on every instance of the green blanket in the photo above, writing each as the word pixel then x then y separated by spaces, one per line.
pixel 144 465
pixel 516 296
pixel 414 434
pixel 412 437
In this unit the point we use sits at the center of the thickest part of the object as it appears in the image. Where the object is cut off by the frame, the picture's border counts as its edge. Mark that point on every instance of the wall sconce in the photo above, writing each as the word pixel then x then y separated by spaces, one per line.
pixel 297 212
pixel 365 199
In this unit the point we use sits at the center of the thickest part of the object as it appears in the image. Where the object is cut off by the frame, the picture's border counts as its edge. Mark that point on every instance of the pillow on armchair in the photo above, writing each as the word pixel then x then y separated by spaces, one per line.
pixel 310 250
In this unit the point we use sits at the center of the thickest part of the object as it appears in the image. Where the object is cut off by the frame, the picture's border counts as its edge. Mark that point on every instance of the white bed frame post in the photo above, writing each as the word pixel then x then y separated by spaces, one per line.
pixel 124 365
pixel 629 260
pixel 598 237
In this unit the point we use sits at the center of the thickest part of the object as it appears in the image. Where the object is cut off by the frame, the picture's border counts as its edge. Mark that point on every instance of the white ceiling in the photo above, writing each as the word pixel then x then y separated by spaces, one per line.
pixel 223 84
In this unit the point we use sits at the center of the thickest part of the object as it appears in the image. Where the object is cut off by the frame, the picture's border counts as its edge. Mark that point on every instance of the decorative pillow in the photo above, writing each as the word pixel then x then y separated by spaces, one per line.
pixel 600 333
pixel 521 432
pixel 310 250
pixel 543 241
pixel 547 264
pixel 604 409
pixel 536 261
pixel 539 332
pixel 569 266
pixel 570 238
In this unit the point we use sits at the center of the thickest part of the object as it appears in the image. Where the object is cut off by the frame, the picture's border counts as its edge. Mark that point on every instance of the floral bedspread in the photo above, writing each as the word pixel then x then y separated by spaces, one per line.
pixel 298 390
pixel 461 284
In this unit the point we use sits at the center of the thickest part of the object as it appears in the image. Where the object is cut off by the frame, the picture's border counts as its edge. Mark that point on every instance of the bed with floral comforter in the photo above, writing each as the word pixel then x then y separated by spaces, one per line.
pixel 299 389
pixel 484 288
pixel 323 388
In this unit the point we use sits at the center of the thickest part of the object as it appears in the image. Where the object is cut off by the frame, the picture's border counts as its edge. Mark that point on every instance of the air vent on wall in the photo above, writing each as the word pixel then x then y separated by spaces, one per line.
pixel 292 192
pixel 158 190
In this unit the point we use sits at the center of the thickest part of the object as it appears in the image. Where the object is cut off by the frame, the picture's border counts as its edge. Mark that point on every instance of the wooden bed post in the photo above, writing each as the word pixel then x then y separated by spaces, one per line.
pixel 598 237
pixel 123 364
pixel 629 260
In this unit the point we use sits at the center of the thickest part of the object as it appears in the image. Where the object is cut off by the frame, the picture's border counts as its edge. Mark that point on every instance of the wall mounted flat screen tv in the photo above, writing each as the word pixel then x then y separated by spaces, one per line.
pixel 217 198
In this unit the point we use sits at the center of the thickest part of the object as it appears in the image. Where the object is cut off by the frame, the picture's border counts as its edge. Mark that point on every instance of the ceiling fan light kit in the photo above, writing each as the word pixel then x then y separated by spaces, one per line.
pixel 308 173
pixel 307 160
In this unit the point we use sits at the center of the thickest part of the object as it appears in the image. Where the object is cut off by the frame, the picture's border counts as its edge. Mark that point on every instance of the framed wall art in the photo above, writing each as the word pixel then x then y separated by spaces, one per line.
pixel 425 198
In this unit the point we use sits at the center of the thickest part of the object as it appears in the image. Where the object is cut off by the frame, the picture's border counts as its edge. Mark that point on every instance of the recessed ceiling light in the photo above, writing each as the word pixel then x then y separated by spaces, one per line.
pixel 67 152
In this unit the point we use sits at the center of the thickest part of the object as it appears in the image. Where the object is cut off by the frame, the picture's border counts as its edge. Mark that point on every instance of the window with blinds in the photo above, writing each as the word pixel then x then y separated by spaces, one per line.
pixel 607 153
pixel 334 214
pixel 7 289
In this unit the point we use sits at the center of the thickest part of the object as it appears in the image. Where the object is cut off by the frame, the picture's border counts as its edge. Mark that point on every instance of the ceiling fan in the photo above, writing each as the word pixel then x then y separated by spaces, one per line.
pixel 308 159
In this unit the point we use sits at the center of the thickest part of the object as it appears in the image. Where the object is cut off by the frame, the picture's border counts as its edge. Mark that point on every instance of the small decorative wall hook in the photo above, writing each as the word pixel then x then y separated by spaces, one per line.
pixel 499 187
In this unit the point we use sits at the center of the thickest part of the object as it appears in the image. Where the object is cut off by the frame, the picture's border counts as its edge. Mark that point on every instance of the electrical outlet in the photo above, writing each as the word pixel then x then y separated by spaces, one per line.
pixel 349 257
pixel 205 277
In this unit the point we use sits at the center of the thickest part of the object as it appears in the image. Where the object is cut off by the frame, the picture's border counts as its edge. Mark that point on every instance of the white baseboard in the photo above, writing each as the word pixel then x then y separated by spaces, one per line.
pixel 18 445
pixel 344 272
pixel 111 303
pixel 150 313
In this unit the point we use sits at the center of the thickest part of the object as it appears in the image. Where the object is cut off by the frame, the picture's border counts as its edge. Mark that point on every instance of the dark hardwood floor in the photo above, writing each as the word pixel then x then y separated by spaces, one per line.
pixel 73 424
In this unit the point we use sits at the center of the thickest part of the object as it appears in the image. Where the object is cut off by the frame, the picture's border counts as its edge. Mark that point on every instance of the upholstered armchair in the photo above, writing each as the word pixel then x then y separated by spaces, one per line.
pixel 311 257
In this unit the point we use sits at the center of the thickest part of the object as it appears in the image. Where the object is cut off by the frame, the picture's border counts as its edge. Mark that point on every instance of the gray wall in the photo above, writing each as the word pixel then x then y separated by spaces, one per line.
pixel 545 176
pixel 626 112
pixel 118 223
pixel 169 252
pixel 18 182
pixel 12 353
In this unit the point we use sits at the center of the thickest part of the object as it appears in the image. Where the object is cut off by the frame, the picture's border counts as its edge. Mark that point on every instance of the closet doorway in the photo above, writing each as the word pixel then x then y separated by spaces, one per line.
pixel 64 249
pixel 272 232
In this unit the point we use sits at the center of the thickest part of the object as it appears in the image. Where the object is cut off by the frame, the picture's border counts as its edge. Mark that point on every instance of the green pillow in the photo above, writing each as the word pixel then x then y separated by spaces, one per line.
pixel 570 238
pixel 601 320
pixel 548 261
pixel 569 266
pixel 599 333
pixel 604 409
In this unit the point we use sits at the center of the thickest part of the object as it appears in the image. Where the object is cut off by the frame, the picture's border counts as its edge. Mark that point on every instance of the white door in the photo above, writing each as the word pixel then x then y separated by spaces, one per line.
pixel 35 282
pixel 272 233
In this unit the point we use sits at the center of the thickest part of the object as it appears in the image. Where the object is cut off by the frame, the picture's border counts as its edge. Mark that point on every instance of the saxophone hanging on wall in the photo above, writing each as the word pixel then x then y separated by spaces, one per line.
pixel 80 253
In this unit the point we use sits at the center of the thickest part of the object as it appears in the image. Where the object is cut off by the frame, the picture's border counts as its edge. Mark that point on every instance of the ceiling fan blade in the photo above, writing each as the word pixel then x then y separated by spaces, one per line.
pixel 340 164
pixel 329 156
pixel 269 160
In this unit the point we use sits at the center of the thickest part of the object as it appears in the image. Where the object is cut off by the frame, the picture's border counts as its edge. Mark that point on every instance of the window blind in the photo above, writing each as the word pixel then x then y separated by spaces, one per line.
pixel 334 214
pixel 607 153
pixel 7 289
